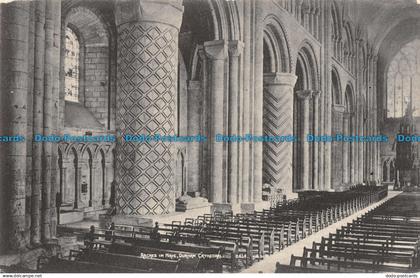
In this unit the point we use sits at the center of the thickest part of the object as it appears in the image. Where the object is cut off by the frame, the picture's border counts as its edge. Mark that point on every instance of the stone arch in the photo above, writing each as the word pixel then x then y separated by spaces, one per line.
pixel 349 98
pixel 336 20
pixel 96 66
pixel 277 105
pixel 306 109
pixel 276 48
pixel 309 66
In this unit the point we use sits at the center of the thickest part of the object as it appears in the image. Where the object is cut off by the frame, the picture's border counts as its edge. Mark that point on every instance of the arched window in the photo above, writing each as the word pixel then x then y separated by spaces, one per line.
pixel 71 66
pixel 403 78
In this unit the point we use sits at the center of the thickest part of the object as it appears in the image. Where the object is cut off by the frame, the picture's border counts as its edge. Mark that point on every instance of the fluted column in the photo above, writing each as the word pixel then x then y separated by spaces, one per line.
pixel 235 50
pixel 217 52
pixel 146 95
pixel 304 99
pixel 278 120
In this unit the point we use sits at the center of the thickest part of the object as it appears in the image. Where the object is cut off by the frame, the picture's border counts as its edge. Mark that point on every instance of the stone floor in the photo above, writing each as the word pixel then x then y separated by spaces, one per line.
pixel 164 219
pixel 268 264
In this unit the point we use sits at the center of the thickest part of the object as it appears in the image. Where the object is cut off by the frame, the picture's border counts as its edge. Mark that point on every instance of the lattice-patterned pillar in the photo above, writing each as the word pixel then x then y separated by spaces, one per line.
pixel 278 120
pixel 147 88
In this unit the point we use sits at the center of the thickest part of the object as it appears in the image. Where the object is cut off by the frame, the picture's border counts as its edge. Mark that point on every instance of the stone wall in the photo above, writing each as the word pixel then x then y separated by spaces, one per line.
pixel 96 85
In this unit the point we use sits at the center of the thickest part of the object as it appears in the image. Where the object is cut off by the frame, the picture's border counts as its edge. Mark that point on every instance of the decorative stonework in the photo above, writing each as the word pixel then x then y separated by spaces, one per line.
pixel 147 64
pixel 278 120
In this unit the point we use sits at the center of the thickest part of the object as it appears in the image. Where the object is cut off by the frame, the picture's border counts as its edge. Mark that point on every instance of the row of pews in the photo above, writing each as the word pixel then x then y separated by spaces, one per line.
pixel 385 239
pixel 216 242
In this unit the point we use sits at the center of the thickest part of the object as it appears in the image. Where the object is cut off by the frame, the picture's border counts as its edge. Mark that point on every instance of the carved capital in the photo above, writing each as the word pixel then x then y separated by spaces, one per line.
pixel 216 50
pixel 280 79
pixel 304 95
pixel 160 11
pixel 347 115
pixel 194 85
pixel 235 48
pixel 339 108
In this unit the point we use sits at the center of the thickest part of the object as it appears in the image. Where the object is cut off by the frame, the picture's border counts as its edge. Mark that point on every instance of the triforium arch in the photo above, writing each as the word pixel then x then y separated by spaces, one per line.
pixel 306 120
pixel 277 107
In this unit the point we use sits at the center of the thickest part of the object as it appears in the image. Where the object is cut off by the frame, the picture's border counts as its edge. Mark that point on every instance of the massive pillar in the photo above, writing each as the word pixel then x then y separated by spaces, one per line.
pixel 304 98
pixel 147 88
pixel 235 50
pixel 278 120
pixel 217 52
pixel 13 92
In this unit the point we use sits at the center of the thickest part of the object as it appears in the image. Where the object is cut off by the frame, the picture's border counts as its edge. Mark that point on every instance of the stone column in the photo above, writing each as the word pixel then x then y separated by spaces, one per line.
pixel 257 101
pixel 103 182
pixel 52 15
pixel 194 120
pixel 346 148
pixel 109 178
pixel 245 104
pixel 37 121
pixel 216 51
pixel 304 101
pixel 14 89
pixel 315 155
pixel 235 50
pixel 77 175
pixel 146 96
pixel 337 149
pixel 278 120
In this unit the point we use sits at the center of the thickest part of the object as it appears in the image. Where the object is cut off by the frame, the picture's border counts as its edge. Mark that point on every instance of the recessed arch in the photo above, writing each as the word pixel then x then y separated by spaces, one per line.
pixel 276 49
pixel 306 56
pixel 336 87
pixel 349 100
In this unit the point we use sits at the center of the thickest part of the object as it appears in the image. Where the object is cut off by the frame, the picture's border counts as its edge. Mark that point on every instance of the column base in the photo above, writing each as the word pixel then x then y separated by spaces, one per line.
pixel 247 207
pixel 130 220
pixel 221 207
pixel 187 202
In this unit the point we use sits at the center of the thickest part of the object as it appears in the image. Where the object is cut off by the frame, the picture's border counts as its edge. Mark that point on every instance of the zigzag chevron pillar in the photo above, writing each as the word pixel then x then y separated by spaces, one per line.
pixel 147 88
pixel 278 120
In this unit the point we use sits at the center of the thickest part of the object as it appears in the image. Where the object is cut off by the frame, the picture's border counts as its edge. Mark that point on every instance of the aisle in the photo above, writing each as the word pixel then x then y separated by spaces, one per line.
pixel 268 264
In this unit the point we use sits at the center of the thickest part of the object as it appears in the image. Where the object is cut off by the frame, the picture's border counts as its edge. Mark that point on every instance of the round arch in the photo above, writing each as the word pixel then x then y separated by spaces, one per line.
pixel 308 64
pixel 336 87
pixel 276 49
